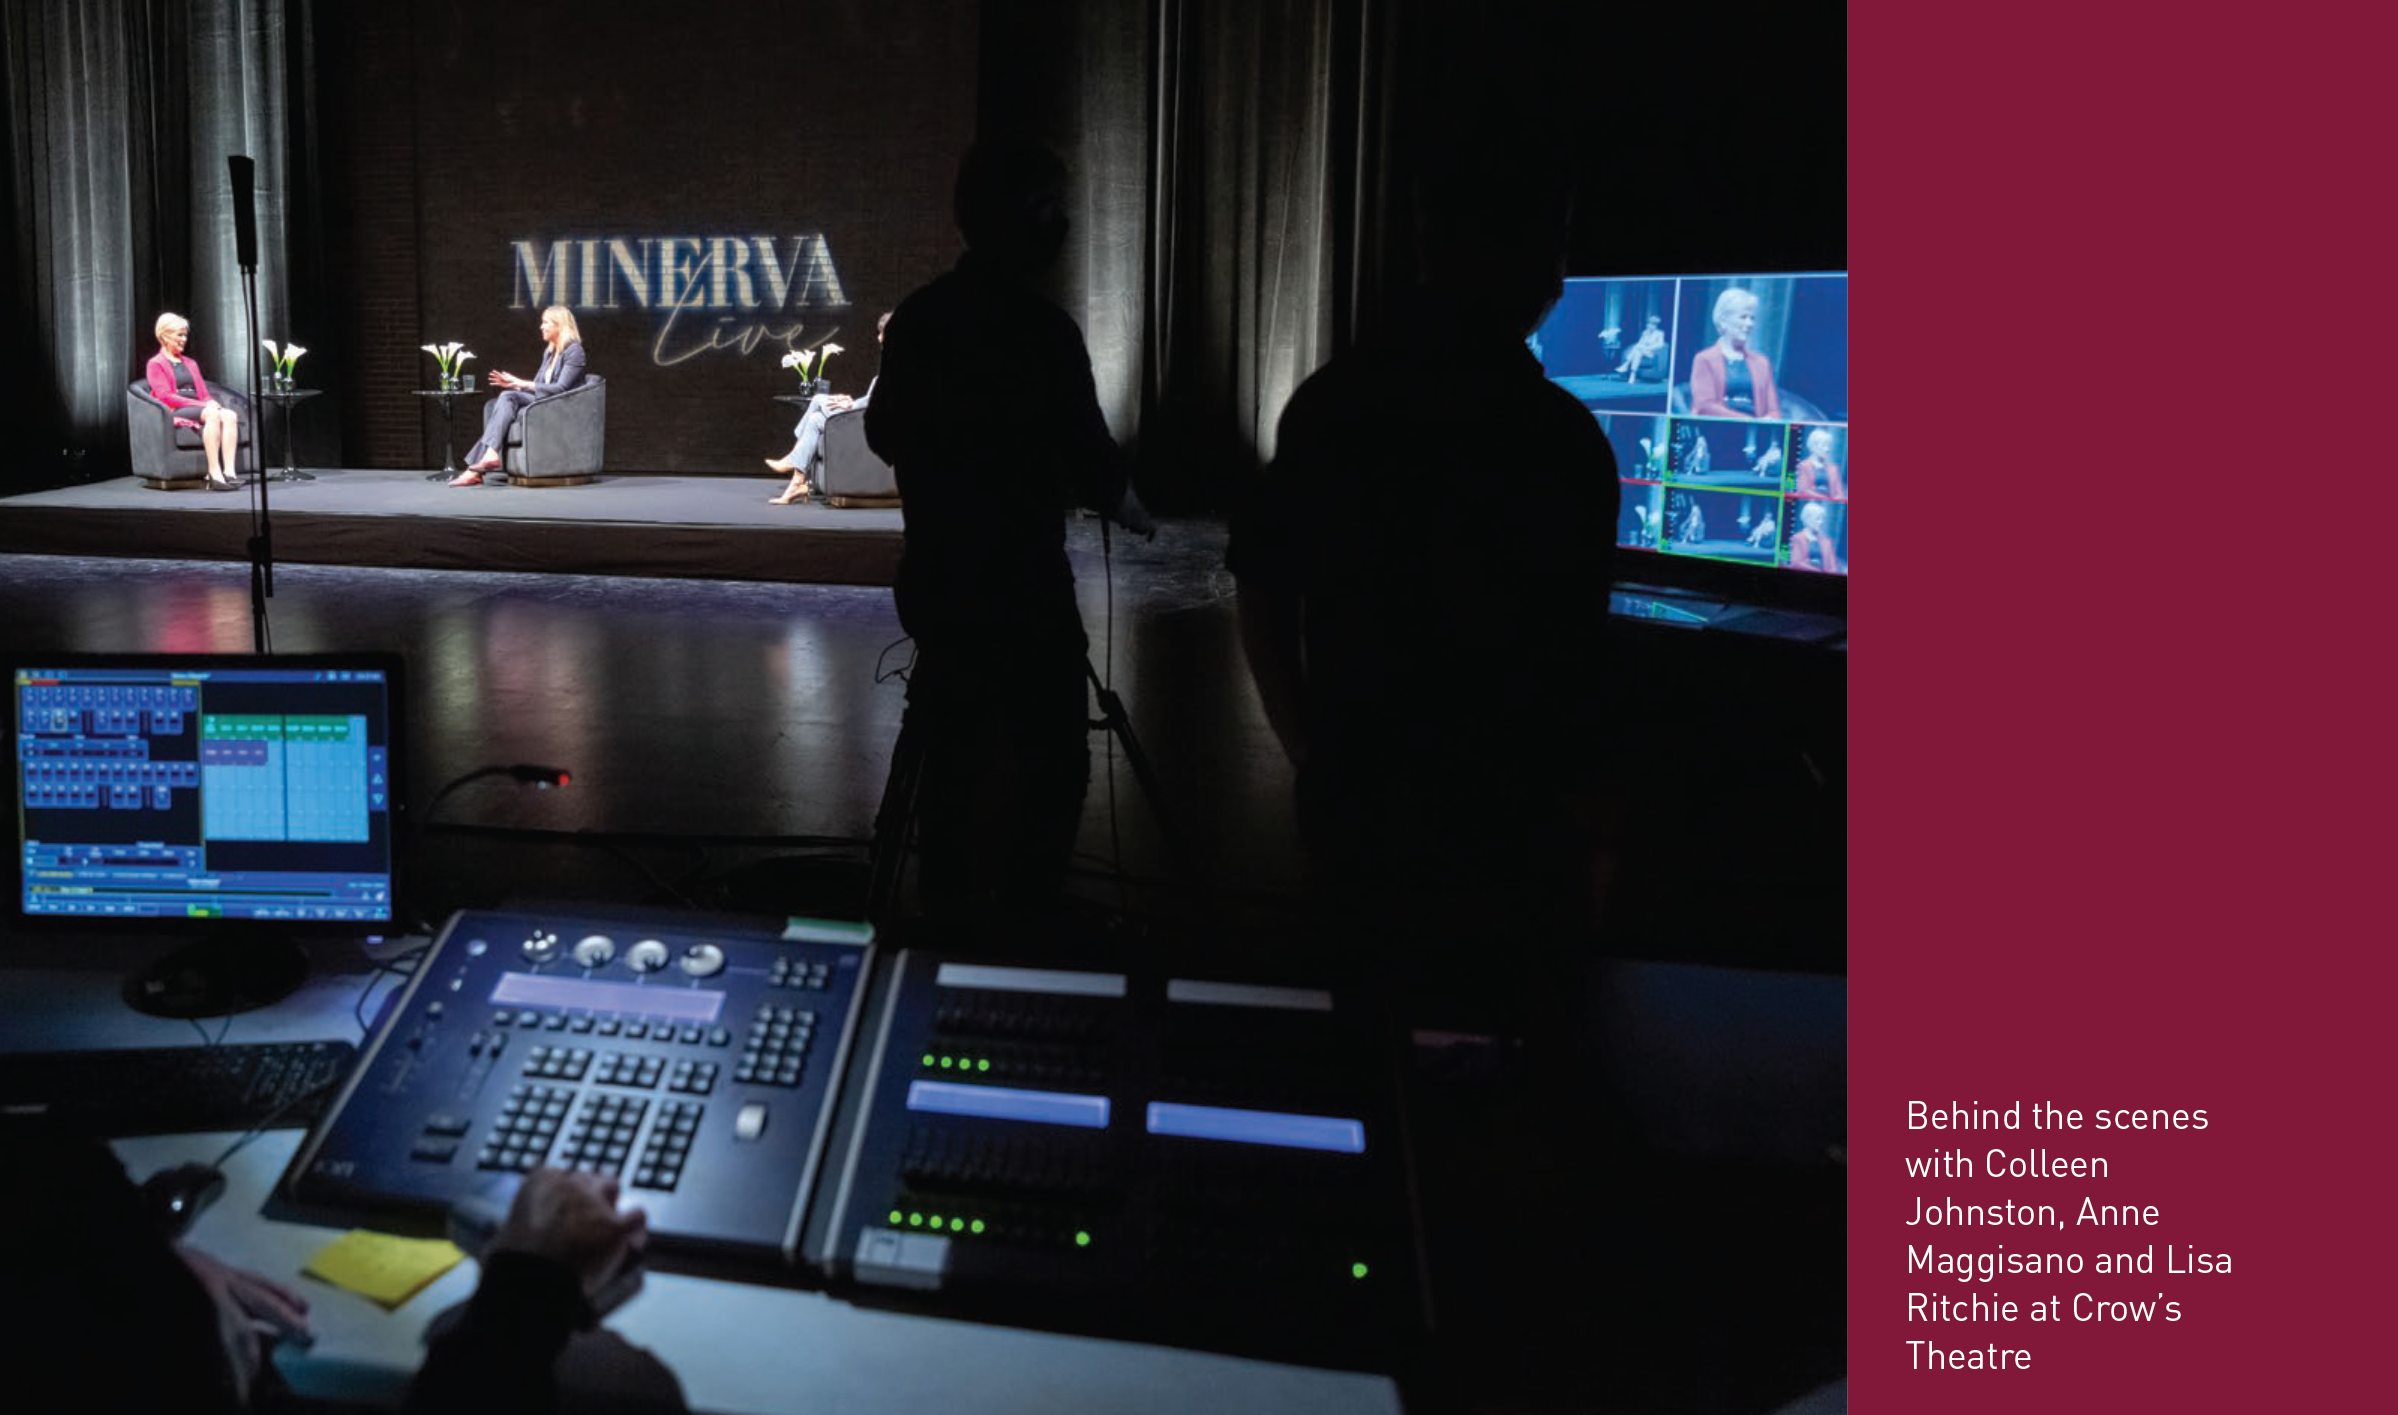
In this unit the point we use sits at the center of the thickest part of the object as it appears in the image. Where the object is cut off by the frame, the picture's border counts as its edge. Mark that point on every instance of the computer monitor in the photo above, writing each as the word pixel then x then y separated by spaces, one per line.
pixel 241 803
pixel 1726 400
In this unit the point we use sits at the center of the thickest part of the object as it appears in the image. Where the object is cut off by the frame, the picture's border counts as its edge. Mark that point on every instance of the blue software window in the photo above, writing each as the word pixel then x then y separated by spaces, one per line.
pixel 205 787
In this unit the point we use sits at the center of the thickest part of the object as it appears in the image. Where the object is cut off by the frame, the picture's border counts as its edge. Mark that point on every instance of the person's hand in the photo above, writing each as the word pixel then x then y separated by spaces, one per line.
pixel 839 402
pixel 251 1309
pixel 571 1219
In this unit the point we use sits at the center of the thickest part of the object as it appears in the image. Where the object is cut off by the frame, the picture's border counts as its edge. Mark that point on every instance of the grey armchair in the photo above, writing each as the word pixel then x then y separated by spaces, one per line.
pixel 560 440
pixel 167 457
pixel 847 472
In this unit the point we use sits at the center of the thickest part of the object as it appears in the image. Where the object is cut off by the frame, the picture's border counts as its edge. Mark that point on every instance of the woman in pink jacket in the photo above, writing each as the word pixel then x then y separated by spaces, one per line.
pixel 1728 379
pixel 175 380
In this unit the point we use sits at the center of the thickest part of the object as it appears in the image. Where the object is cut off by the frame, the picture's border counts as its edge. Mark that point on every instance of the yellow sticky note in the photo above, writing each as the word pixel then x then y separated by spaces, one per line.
pixel 386 1269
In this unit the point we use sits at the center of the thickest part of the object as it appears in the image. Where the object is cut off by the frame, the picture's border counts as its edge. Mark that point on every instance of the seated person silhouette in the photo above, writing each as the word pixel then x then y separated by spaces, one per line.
pixel 1646 351
pixel 1700 459
pixel 1761 534
pixel 808 432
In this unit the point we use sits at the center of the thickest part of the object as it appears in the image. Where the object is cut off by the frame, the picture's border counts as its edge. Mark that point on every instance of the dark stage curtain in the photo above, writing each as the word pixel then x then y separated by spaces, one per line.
pixel 121 115
pixel 1245 176
pixel 1220 155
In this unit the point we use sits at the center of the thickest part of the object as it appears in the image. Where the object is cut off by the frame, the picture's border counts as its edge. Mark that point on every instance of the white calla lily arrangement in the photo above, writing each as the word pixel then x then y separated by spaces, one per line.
pixel 811 363
pixel 451 357
pixel 283 360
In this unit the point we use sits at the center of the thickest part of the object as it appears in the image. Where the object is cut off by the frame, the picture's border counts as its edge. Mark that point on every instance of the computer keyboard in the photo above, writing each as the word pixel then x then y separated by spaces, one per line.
pixel 173 1090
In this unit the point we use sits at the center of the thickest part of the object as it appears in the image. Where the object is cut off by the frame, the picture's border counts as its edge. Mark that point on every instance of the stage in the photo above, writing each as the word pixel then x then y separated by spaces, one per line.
pixel 693 527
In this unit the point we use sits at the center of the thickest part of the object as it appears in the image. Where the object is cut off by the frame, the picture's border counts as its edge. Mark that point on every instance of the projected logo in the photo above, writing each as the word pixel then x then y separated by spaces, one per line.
pixel 706 293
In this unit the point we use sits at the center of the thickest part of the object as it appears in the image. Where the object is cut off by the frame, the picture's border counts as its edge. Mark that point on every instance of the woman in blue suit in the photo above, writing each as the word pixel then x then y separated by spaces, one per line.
pixel 561 369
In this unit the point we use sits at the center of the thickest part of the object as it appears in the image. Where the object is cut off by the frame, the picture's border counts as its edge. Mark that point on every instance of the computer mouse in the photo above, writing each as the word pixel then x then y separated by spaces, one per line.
pixel 175 1196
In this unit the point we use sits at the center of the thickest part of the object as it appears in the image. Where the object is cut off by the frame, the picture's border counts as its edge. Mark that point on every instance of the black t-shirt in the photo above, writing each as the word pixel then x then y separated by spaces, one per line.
pixel 988 414
pixel 1446 516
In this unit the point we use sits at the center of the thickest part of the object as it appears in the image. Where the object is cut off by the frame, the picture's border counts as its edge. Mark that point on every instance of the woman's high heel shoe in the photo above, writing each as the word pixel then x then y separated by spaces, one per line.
pixel 777 464
pixel 797 491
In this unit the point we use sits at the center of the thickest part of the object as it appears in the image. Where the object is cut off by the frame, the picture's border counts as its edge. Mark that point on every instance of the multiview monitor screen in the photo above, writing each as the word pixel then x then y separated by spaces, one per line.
pixel 1726 400
pixel 202 788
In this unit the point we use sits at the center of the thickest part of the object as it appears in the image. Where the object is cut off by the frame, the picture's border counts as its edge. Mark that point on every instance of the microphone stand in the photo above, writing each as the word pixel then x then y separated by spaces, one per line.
pixel 262 533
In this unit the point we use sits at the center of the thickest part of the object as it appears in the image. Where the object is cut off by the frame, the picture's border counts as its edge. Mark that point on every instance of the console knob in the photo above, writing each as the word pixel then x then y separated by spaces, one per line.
pixel 595 950
pixel 541 946
pixel 703 960
pixel 647 956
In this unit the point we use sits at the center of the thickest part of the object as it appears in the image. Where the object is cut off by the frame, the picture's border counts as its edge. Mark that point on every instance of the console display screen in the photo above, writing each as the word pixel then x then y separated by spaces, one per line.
pixel 201 788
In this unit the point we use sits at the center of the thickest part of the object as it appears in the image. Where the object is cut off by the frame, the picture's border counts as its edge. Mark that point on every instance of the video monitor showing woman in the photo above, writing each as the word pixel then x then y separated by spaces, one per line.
pixel 1745 421
pixel 1770 347
pixel 1816 536
pixel 1819 462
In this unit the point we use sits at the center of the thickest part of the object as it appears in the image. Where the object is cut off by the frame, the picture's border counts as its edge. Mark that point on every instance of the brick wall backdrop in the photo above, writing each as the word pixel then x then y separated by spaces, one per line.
pixel 365 87
pixel 644 138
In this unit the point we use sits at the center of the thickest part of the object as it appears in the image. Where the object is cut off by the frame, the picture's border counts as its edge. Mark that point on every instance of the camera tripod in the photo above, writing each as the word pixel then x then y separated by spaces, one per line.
pixel 895 817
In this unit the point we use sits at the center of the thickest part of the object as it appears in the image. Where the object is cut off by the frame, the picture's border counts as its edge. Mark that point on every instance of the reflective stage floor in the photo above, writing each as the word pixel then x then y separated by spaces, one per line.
pixel 728 741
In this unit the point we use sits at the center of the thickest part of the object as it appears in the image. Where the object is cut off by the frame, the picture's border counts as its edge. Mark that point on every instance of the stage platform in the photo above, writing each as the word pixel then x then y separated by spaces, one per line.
pixel 692 527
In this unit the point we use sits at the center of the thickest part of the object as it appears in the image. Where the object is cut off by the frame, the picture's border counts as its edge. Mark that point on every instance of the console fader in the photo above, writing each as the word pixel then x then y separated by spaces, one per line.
pixel 1200 1161
pixel 696 1063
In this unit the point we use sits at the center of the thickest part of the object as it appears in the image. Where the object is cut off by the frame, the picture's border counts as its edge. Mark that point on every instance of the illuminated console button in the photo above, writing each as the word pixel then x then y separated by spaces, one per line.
pixel 703 960
pixel 595 951
pixel 540 946
pixel 647 956
pixel 750 1121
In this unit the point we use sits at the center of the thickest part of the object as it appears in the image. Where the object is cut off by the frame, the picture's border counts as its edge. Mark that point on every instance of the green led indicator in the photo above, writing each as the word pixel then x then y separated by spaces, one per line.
pixel 915 1220
pixel 957 1225
pixel 933 1222
pixel 928 1059
pixel 1357 1270
pixel 947 1063
pixel 976 1226
pixel 896 1218
pixel 1082 1238
pixel 983 1065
